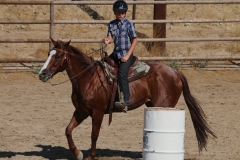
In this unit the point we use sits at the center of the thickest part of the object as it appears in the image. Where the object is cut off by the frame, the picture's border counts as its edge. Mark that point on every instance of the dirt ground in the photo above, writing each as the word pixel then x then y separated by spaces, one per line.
pixel 34 114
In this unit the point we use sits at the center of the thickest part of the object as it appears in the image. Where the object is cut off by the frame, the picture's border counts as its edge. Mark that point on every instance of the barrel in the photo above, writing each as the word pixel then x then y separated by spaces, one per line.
pixel 163 134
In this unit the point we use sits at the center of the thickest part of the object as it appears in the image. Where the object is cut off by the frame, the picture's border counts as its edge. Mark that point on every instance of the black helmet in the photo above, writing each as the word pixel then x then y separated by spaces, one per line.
pixel 120 5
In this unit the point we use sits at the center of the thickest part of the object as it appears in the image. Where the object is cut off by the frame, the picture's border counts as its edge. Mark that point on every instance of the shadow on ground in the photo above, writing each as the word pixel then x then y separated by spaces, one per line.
pixel 57 152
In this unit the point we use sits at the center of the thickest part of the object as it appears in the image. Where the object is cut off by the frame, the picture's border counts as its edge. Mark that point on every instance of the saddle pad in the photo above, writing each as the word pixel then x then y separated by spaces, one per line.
pixel 141 68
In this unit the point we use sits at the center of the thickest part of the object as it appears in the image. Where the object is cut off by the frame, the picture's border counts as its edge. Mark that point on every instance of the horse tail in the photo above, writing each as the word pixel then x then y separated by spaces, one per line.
pixel 201 127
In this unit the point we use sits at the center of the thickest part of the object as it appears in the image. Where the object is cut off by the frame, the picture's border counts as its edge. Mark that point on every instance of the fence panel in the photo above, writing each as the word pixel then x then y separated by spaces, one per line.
pixel 52 21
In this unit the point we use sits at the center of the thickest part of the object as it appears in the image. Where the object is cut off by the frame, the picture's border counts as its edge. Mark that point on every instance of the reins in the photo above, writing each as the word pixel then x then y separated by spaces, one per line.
pixel 89 67
pixel 101 49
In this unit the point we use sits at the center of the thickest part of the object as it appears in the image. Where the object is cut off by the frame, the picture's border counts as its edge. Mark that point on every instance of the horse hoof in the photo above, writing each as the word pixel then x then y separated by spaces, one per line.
pixel 80 156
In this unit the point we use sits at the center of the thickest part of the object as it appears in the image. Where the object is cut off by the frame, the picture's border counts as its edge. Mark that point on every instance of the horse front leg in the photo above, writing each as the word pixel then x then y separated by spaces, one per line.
pixel 75 121
pixel 97 119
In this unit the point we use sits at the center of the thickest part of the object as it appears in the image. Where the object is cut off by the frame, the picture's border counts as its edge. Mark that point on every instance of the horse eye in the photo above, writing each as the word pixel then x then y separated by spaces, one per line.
pixel 57 57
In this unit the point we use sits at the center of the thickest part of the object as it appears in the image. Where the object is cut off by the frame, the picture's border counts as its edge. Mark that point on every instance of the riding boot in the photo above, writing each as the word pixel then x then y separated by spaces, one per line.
pixel 121 106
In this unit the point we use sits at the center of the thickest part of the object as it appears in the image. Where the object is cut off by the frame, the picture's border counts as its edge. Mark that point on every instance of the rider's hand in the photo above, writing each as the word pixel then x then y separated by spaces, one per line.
pixel 125 58
pixel 106 41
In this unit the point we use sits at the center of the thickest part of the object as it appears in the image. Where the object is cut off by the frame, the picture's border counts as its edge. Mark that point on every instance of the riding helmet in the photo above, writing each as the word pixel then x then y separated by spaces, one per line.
pixel 120 5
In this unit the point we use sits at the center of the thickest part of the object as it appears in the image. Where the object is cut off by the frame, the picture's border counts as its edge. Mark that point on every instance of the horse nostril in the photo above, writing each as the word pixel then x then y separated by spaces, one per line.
pixel 42 76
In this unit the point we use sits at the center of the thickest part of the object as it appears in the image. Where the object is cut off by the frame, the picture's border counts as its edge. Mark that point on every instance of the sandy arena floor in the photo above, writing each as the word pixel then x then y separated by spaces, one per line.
pixel 34 116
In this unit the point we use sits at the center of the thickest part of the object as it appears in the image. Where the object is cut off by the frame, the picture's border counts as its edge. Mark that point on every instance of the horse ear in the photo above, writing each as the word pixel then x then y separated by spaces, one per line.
pixel 53 42
pixel 67 44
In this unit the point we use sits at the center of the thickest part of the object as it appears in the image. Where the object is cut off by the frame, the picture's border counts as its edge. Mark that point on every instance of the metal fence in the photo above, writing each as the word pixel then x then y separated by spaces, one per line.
pixel 51 23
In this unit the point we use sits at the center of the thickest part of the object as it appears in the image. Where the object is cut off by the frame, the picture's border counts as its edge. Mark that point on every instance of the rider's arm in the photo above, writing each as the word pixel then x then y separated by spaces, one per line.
pixel 131 49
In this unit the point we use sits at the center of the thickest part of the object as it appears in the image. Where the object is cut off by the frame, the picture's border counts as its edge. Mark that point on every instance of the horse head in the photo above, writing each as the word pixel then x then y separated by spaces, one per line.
pixel 56 62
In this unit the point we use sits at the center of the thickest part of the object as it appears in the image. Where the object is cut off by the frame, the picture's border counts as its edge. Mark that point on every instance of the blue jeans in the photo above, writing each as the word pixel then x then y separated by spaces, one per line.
pixel 123 68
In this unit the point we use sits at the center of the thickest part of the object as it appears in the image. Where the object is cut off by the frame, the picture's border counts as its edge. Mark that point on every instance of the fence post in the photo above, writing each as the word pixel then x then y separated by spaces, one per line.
pixel 159 29
pixel 134 11
pixel 51 24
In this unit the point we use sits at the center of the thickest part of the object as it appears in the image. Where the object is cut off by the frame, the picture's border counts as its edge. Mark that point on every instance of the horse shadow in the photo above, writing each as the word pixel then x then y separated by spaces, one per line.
pixel 57 152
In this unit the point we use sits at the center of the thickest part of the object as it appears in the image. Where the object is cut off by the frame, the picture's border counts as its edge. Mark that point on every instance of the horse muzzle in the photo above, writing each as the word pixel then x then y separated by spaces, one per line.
pixel 44 76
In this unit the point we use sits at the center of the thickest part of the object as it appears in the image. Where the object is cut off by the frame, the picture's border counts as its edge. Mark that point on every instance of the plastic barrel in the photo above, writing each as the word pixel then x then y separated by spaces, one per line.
pixel 163 134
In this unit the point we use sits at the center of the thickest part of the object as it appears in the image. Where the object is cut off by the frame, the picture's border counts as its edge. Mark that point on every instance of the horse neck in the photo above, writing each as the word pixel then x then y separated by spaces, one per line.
pixel 78 66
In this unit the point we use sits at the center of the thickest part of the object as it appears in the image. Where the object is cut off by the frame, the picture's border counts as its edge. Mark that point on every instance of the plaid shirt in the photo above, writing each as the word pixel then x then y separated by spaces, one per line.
pixel 121 32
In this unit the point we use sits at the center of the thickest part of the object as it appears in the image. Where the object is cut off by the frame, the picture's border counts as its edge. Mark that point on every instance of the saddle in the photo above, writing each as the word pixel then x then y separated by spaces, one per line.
pixel 136 71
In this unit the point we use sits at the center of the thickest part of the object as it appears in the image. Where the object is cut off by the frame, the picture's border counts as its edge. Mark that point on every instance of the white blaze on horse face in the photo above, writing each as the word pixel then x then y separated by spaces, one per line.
pixel 53 52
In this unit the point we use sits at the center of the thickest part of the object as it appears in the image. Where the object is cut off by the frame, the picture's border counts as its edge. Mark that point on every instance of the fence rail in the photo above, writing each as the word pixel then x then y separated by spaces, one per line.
pixel 110 2
pixel 139 40
pixel 212 63
pixel 222 58
pixel 107 21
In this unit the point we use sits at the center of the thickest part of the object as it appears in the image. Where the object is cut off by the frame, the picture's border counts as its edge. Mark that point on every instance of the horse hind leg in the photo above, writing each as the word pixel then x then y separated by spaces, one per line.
pixel 75 121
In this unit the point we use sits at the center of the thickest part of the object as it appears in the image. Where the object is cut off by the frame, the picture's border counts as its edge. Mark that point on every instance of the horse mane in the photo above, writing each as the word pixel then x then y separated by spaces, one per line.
pixel 85 60
pixel 75 50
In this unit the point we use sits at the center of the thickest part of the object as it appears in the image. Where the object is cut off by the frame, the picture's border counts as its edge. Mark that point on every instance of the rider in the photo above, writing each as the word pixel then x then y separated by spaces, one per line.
pixel 122 33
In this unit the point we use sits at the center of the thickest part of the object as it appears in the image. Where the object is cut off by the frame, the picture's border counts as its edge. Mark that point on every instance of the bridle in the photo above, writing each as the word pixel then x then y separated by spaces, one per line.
pixel 65 58
pixel 86 69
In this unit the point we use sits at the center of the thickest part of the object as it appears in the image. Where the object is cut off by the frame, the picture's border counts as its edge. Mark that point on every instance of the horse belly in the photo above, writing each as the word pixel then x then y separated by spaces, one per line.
pixel 139 93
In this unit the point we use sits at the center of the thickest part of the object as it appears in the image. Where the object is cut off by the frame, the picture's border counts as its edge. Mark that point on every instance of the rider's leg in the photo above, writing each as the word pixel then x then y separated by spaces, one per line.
pixel 123 79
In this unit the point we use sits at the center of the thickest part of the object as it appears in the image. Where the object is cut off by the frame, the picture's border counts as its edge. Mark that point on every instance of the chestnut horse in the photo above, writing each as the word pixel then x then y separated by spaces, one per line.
pixel 91 93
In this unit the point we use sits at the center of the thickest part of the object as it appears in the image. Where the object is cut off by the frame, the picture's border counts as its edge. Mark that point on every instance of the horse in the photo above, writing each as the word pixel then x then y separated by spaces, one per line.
pixel 91 93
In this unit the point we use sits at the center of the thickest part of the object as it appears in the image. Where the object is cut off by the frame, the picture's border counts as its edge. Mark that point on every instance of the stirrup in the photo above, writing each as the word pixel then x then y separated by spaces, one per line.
pixel 121 106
